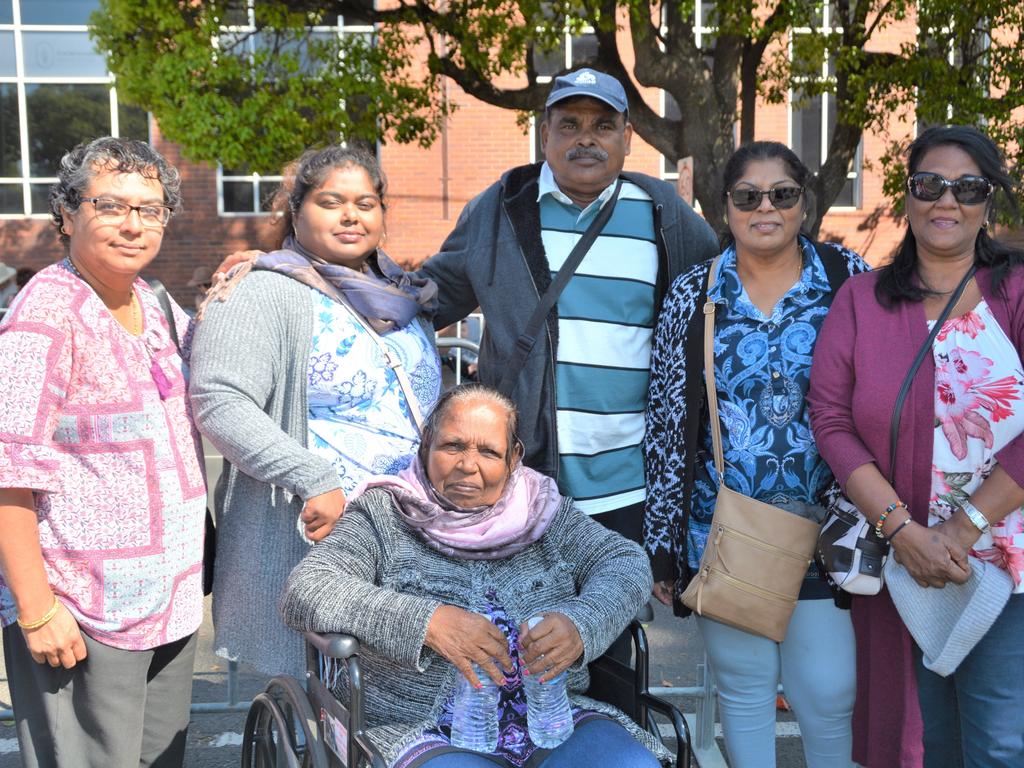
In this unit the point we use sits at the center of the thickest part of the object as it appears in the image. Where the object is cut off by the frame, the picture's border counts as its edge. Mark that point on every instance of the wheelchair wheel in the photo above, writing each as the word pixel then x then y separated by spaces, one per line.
pixel 281 729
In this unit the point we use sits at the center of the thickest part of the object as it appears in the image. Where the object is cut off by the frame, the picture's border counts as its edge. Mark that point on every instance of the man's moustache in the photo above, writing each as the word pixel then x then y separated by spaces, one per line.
pixel 578 153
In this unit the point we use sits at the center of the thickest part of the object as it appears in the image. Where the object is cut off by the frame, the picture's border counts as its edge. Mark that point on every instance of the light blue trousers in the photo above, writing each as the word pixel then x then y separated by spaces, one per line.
pixel 815 664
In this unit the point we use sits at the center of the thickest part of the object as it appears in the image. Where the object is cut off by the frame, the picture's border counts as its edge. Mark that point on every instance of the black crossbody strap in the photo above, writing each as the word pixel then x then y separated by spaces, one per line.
pixel 165 304
pixel 527 340
pixel 897 412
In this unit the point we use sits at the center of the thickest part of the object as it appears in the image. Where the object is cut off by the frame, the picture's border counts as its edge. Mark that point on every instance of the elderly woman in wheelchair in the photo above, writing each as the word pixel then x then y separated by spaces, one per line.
pixel 439 569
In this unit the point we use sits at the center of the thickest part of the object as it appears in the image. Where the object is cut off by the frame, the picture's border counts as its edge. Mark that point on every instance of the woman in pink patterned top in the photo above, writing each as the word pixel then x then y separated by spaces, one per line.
pixel 959 464
pixel 102 491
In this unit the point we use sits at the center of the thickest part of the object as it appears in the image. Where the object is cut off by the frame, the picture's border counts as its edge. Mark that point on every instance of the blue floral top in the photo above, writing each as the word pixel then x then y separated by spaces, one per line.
pixel 514 746
pixel 762 371
pixel 359 418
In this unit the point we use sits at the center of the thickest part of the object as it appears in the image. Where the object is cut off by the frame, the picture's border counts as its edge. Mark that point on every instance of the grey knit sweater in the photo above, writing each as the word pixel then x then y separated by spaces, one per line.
pixel 248 388
pixel 374 578
pixel 248 391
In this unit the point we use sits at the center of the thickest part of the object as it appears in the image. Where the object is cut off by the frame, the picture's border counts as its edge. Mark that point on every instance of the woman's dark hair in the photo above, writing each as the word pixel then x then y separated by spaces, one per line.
pixel 757 151
pixel 897 280
pixel 79 166
pixel 309 172
pixel 464 393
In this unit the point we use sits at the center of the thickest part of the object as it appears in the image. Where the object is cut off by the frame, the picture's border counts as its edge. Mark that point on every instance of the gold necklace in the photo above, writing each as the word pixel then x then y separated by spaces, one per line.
pixel 134 305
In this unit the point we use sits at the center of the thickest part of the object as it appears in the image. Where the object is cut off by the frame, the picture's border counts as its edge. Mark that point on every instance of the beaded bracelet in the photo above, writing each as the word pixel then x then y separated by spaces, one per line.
pixel 46 618
pixel 900 527
pixel 888 511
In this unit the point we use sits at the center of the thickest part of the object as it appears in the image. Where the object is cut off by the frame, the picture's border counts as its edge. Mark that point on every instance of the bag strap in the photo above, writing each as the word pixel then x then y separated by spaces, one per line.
pixel 709 374
pixel 834 262
pixel 528 338
pixel 894 424
pixel 394 363
pixel 165 304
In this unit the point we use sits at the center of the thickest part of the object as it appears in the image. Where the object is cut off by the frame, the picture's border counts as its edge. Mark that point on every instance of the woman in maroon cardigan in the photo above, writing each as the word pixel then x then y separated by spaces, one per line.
pixel 960 456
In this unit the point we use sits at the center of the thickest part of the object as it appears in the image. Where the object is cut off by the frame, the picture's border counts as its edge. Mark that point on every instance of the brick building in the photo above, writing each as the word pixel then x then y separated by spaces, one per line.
pixel 55 91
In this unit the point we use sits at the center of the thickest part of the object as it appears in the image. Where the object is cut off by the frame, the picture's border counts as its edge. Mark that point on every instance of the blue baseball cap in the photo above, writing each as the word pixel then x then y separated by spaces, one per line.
pixel 591 83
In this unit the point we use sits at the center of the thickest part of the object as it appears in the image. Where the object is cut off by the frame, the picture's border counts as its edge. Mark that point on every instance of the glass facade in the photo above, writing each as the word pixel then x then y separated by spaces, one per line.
pixel 55 92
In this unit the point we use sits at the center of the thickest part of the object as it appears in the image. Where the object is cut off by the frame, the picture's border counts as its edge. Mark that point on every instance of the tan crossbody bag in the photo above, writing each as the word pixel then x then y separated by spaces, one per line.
pixel 756 555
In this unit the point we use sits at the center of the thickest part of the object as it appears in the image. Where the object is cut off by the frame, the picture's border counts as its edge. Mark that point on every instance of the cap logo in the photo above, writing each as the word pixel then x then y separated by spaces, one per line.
pixel 585 78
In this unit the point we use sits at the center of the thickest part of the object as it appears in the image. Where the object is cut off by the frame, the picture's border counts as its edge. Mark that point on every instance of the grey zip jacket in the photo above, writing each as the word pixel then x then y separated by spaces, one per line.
pixel 494 259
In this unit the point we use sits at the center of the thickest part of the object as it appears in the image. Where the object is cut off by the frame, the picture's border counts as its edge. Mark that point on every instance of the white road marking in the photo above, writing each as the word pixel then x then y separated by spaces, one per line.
pixel 782 730
pixel 227 739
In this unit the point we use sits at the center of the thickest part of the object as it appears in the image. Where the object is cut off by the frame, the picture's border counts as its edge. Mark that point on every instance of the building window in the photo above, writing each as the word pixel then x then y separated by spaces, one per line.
pixel 812 118
pixel 55 92
pixel 240 192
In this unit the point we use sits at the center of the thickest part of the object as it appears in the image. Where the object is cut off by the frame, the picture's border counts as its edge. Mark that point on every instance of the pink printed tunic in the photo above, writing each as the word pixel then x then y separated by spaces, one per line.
pixel 979 408
pixel 117 471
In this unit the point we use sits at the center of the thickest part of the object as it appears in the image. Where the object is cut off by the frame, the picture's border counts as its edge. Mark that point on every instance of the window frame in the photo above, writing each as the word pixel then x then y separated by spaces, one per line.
pixel 20 80
pixel 340 29
pixel 857 173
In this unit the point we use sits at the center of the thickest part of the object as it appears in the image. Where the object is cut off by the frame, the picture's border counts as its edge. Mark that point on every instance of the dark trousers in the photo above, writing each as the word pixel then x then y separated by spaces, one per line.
pixel 629 521
pixel 115 709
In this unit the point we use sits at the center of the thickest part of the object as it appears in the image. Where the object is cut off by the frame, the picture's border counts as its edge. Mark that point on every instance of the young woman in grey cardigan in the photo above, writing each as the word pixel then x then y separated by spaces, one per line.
pixel 440 568
pixel 291 382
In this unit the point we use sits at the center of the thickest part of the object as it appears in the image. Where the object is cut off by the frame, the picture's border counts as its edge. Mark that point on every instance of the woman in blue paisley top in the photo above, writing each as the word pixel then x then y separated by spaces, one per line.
pixel 310 367
pixel 772 288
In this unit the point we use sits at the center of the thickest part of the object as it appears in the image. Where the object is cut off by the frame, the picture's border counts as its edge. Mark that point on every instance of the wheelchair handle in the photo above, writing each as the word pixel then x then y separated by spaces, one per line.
pixel 333 645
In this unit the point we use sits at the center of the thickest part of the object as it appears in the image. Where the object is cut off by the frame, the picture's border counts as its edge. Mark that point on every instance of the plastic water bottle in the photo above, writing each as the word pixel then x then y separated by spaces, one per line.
pixel 475 717
pixel 548 716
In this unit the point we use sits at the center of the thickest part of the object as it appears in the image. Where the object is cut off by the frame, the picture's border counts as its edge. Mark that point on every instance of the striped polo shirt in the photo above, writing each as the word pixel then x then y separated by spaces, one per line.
pixel 605 328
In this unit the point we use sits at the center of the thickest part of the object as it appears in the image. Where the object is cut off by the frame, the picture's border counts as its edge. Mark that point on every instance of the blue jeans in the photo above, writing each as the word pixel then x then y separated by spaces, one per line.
pixel 817 665
pixel 975 717
pixel 595 744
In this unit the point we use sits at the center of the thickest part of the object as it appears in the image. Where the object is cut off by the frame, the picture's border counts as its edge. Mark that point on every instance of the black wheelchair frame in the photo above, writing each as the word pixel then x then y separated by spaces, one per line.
pixel 289 726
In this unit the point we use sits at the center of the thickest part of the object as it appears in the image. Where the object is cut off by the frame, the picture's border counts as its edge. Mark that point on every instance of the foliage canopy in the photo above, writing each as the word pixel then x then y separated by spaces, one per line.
pixel 254 84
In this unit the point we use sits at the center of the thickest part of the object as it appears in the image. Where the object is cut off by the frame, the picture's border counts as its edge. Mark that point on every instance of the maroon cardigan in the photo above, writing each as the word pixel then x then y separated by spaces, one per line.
pixel 863 353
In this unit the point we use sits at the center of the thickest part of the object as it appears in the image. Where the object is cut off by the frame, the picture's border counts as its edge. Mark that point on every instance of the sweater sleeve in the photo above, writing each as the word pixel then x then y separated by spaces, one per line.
pixel 449 269
pixel 665 458
pixel 612 576
pixel 1011 455
pixel 237 360
pixel 830 396
pixel 336 589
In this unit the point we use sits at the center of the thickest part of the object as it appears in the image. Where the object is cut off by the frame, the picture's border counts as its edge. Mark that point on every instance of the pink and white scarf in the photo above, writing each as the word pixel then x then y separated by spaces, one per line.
pixel 514 522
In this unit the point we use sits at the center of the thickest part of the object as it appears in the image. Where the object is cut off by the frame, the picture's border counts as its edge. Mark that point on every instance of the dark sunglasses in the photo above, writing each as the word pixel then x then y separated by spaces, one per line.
pixel 749 199
pixel 967 190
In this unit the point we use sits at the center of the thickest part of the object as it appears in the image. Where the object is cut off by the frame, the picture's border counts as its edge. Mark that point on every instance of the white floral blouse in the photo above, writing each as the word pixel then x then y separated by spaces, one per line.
pixel 979 408
pixel 359 418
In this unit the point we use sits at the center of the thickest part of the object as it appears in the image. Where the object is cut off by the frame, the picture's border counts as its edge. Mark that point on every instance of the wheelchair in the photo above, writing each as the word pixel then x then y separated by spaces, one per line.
pixel 291 726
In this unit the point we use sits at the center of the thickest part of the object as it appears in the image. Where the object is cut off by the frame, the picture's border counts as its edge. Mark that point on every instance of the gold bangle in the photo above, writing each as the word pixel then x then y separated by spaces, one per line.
pixel 45 620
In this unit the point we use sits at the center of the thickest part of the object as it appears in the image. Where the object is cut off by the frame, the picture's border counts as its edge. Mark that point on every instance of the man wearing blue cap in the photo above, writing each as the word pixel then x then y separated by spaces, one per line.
pixel 580 380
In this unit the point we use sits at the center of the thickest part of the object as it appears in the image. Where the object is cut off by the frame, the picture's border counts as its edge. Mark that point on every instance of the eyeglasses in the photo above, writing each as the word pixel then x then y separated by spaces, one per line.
pixel 749 199
pixel 114 212
pixel 967 190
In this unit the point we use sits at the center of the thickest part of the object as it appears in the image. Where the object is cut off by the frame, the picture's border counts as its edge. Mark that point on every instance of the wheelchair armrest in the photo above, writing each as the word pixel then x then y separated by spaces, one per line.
pixel 333 645
pixel 679 725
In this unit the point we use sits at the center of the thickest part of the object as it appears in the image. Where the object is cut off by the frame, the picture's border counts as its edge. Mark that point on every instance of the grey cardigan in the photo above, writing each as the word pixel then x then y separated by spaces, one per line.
pixel 374 578
pixel 248 389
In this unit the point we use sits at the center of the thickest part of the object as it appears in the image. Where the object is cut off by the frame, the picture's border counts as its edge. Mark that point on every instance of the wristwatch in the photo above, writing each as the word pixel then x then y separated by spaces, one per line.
pixel 975 516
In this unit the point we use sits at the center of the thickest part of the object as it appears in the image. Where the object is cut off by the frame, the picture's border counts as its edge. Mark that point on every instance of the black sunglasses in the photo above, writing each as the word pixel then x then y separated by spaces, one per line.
pixel 749 199
pixel 967 190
